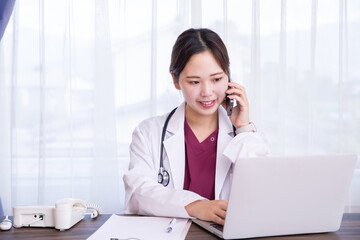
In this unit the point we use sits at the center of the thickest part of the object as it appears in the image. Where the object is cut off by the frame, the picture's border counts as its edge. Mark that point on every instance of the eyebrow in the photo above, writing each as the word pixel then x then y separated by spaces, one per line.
pixel 211 75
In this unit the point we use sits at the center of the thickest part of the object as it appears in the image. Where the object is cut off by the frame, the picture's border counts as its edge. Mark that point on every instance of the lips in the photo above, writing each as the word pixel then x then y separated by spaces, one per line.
pixel 207 104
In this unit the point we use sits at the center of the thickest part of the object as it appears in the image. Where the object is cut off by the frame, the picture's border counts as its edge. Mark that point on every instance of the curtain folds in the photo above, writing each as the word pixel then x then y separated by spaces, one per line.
pixel 80 76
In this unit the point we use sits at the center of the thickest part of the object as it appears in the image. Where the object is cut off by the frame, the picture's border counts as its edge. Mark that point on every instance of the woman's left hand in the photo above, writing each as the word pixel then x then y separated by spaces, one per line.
pixel 240 113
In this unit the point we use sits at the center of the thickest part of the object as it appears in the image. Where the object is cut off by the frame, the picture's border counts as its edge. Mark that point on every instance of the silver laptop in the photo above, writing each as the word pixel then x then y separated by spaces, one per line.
pixel 272 196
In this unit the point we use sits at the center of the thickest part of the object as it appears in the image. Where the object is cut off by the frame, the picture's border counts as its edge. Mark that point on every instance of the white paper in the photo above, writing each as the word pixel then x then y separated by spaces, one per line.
pixel 137 227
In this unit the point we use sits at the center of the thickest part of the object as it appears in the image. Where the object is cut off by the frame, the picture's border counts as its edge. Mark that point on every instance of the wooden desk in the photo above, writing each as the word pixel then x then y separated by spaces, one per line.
pixel 350 230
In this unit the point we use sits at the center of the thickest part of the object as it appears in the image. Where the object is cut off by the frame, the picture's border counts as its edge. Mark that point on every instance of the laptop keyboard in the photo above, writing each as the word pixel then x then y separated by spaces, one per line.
pixel 218 226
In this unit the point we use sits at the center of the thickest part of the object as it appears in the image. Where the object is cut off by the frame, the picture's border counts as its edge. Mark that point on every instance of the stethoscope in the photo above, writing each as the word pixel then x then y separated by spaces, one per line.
pixel 163 175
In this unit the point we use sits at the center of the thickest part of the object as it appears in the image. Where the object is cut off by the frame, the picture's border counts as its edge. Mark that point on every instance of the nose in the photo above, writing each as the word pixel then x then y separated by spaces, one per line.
pixel 206 90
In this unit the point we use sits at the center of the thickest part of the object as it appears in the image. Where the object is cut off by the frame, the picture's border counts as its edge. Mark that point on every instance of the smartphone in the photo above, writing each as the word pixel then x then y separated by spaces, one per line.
pixel 229 103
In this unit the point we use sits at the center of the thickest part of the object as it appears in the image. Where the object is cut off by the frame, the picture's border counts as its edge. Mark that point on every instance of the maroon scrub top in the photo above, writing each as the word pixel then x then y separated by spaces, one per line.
pixel 200 163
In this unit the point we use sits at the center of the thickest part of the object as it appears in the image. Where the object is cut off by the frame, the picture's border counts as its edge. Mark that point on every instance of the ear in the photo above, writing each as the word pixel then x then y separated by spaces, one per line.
pixel 175 81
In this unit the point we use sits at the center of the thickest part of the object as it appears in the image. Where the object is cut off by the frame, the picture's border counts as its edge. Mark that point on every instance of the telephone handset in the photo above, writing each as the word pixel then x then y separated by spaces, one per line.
pixel 70 211
pixel 65 214
pixel 229 102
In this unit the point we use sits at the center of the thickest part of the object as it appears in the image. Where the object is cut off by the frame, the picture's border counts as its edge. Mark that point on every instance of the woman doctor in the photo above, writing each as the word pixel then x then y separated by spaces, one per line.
pixel 201 142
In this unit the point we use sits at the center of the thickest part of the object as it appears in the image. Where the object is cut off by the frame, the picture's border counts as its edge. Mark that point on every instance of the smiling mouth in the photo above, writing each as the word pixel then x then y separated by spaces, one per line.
pixel 207 104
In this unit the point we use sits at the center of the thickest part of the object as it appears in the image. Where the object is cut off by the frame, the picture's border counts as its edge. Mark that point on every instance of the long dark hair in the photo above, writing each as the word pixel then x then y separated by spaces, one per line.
pixel 193 41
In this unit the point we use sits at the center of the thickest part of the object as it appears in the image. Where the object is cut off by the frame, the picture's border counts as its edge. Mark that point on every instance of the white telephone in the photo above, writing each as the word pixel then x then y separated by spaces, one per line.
pixel 66 213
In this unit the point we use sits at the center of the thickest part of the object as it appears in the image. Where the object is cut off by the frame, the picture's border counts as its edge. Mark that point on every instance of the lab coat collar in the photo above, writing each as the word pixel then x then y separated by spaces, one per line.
pixel 223 164
pixel 176 123
pixel 225 124
pixel 174 145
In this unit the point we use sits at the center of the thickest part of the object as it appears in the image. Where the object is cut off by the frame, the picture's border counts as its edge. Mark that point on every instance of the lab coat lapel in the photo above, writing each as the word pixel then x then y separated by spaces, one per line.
pixel 223 164
pixel 175 147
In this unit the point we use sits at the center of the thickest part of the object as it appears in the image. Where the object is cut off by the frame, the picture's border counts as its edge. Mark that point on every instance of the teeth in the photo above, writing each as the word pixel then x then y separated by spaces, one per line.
pixel 207 103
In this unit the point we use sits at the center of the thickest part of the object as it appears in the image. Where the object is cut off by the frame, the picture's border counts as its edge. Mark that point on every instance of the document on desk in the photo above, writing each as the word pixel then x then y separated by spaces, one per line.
pixel 138 227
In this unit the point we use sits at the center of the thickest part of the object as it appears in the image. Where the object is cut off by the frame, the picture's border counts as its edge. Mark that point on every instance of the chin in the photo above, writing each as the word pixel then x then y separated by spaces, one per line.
pixel 208 111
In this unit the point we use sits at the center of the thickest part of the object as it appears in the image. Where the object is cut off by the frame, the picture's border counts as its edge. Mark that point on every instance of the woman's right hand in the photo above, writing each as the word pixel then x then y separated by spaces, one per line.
pixel 214 210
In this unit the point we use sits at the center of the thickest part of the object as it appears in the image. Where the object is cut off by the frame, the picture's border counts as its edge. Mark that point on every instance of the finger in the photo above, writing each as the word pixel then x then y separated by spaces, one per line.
pixel 236 85
pixel 218 220
pixel 236 91
pixel 221 213
pixel 221 207
pixel 242 102
pixel 222 204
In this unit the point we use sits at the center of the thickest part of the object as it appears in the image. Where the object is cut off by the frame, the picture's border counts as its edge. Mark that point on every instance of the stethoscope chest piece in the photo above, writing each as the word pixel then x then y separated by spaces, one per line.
pixel 163 177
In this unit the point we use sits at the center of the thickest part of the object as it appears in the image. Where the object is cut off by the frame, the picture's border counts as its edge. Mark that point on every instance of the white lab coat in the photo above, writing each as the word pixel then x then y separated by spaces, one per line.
pixel 145 196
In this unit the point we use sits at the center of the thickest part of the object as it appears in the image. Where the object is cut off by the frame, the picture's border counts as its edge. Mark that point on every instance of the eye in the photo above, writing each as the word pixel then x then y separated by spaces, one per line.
pixel 194 82
pixel 217 79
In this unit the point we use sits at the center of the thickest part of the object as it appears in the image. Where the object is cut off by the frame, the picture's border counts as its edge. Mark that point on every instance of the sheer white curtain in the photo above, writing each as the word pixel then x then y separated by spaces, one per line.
pixel 76 77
